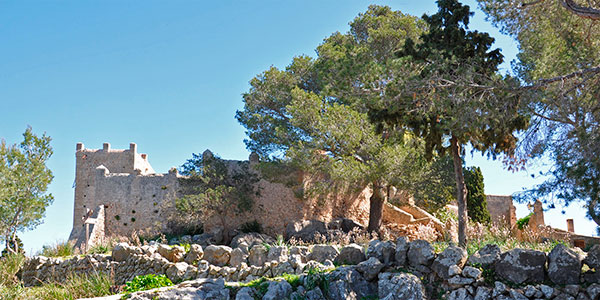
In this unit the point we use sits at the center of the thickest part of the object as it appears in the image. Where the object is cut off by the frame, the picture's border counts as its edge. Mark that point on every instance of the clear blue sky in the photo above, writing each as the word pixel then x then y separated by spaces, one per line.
pixel 167 75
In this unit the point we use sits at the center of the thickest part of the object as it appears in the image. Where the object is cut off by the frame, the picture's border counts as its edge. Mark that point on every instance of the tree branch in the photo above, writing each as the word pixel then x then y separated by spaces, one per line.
pixel 580 73
pixel 581 11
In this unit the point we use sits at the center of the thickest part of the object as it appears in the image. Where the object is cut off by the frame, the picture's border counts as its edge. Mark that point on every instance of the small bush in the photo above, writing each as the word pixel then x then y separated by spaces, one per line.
pixel 10 265
pixel 59 249
pixel 146 282
pixel 522 222
pixel 103 248
pixel 253 226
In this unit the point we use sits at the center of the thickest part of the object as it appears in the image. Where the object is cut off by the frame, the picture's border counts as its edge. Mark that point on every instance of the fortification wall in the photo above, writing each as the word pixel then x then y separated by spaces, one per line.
pixel 502 210
pixel 134 198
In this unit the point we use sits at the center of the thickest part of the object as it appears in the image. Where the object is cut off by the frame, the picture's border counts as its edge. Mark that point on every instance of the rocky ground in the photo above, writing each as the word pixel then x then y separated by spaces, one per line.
pixel 380 270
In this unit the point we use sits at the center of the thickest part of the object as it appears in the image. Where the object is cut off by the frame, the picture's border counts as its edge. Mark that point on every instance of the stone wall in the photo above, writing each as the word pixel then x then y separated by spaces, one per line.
pixel 502 210
pixel 387 269
pixel 134 197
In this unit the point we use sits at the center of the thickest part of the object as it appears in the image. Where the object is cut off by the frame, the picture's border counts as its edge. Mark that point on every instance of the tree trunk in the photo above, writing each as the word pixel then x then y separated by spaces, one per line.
pixel 461 192
pixel 376 208
pixel 592 211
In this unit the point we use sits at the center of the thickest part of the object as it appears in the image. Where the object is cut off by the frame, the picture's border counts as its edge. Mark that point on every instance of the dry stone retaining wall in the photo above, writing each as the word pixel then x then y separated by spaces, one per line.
pixel 387 270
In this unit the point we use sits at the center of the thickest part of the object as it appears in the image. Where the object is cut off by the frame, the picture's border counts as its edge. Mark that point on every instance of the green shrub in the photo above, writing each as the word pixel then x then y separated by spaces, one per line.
pixel 59 249
pixel 146 282
pixel 522 222
pixel 476 200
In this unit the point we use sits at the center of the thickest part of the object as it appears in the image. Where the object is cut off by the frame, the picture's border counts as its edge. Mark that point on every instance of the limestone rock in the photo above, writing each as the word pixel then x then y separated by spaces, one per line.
pixel 452 255
pixel 245 293
pixel 278 290
pixel 314 294
pixel 564 265
pixel 321 253
pixel 257 255
pixel 486 256
pixel 384 251
pixel 217 255
pixel 483 293
pixel 350 255
pixel 305 230
pixel 194 255
pixel 471 272
pixel 122 251
pixel 238 257
pixel 278 253
pixel 459 294
pixel 171 253
pixel 400 286
pixel 197 289
pixel 251 239
pixel 521 266
pixel 347 283
pixel 593 257
pixel 370 268
pixel 402 246
pixel 420 253
pixel 176 271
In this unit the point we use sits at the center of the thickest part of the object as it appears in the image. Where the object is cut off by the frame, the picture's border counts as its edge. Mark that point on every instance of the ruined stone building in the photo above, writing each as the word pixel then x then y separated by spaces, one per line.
pixel 117 193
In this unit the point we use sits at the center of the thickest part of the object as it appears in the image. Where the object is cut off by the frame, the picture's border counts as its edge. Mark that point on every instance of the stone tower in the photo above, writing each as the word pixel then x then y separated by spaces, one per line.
pixel 115 160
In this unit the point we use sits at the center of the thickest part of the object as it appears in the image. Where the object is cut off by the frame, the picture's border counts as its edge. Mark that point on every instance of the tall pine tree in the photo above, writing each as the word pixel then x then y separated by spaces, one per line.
pixel 452 102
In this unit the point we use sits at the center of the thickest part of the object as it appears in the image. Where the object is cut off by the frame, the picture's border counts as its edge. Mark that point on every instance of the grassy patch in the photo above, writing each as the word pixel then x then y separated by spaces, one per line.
pixel 146 282
pixel 59 249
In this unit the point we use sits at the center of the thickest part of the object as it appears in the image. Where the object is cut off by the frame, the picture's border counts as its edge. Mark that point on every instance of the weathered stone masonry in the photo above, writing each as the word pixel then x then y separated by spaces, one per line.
pixel 124 184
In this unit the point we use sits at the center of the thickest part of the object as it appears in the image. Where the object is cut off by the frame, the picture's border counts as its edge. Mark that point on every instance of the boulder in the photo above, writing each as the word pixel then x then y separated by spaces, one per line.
pixel 471 272
pixel 451 256
pixel 521 266
pixel 402 245
pixel 321 253
pixel 278 290
pixel 278 253
pixel 251 239
pixel 314 294
pixel 176 271
pixel 347 283
pixel 350 255
pixel 245 293
pixel 122 251
pixel 385 252
pixel 420 253
pixel 171 253
pixel 400 286
pixel 370 268
pixel 217 255
pixel 483 293
pixel 344 225
pixel 197 289
pixel 564 265
pixel 305 230
pixel 486 256
pixel 593 257
pixel 257 255
pixel 194 255
pixel 460 294
pixel 237 257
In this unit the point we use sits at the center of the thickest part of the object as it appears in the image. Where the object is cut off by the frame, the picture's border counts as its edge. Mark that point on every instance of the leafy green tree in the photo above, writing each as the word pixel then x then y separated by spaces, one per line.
pixel 451 101
pixel 559 63
pixel 24 180
pixel 213 188
pixel 476 200
pixel 313 113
